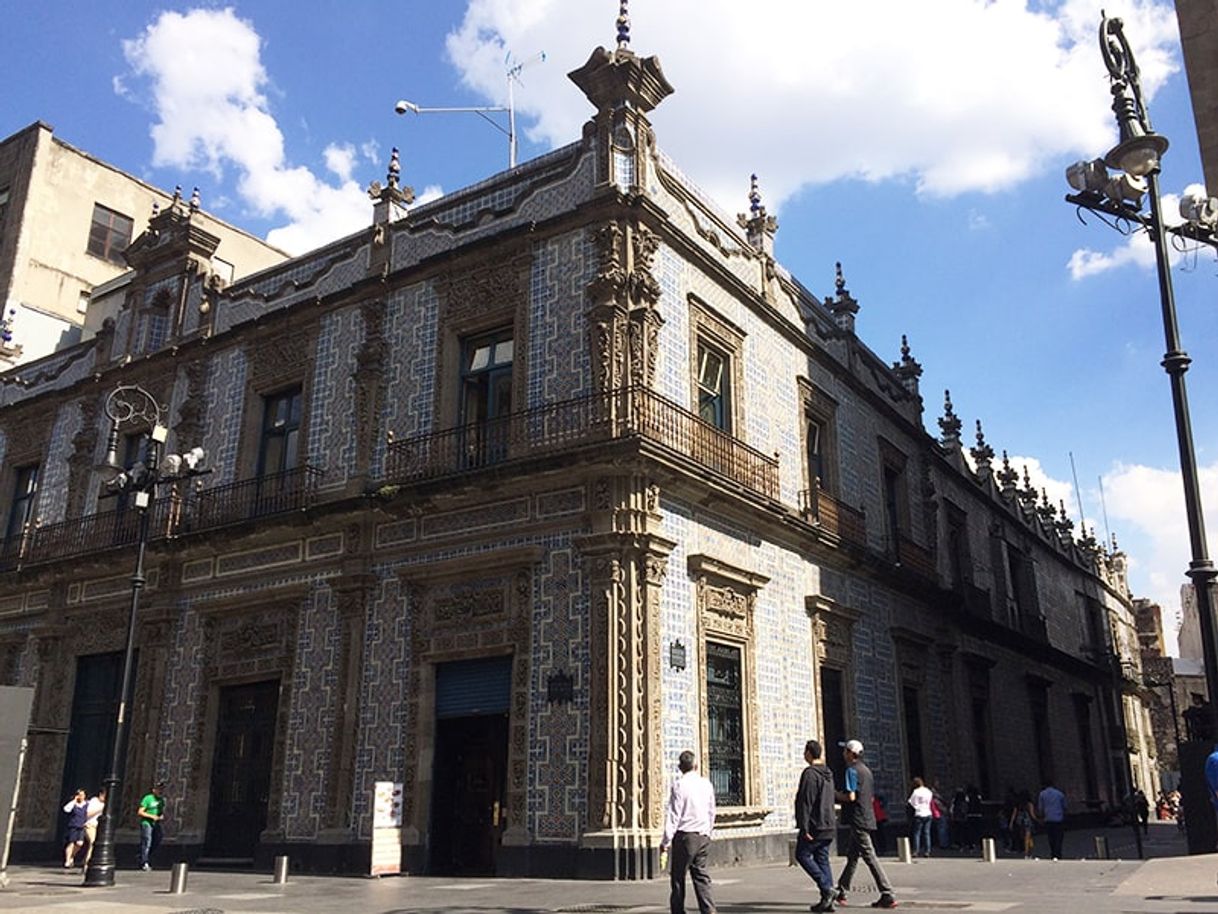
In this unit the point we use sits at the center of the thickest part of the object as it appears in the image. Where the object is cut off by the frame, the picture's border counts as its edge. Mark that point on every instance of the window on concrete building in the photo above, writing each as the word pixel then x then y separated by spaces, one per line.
pixel 714 387
pixel 911 706
pixel 21 508
pixel 1025 607
pixel 109 234
pixel 833 713
pixel 486 395
pixel 725 722
pixel 894 489
pixel 959 556
pixel 979 718
pixel 1038 704
pixel 1082 719
pixel 279 448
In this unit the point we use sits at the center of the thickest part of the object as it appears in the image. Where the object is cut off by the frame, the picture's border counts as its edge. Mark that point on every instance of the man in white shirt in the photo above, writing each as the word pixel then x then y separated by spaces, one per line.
pixel 688 822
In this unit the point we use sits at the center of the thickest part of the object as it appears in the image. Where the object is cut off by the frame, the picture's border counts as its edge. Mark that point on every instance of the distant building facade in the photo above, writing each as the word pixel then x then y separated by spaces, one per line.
pixel 516 496
pixel 1198 21
pixel 65 220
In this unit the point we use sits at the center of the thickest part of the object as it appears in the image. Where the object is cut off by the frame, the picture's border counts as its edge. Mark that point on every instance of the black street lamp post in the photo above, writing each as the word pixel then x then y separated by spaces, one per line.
pixel 1136 160
pixel 132 406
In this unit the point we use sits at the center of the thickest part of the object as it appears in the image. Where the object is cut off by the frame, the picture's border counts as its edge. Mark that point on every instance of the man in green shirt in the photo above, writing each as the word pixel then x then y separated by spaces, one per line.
pixel 151 812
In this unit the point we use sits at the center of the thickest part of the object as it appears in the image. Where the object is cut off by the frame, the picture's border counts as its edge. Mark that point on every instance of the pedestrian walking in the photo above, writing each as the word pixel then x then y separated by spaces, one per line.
pixel 858 817
pixel 938 814
pixel 1211 779
pixel 1051 808
pixel 920 800
pixel 814 817
pixel 1141 807
pixel 1023 815
pixel 688 823
pixel 151 813
pixel 96 804
pixel 77 810
pixel 879 837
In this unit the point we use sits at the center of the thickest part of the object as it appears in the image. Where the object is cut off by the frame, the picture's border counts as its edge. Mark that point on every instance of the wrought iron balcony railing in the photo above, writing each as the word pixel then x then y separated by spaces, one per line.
pixel 834 516
pixel 632 412
pixel 173 514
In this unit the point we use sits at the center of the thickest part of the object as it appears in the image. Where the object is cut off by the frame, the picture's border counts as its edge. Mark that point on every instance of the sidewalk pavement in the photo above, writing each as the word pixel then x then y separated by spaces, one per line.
pixel 1166 884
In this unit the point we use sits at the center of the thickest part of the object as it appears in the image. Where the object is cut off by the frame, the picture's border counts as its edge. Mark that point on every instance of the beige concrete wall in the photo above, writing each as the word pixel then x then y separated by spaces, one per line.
pixel 1199 37
pixel 47 230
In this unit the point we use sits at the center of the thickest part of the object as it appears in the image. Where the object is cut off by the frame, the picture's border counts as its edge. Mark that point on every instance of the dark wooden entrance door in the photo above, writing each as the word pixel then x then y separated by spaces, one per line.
pixel 241 769
pixel 467 803
pixel 91 737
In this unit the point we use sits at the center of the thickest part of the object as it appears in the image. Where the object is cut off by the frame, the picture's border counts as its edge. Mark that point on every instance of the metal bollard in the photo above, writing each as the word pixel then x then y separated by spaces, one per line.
pixel 177 879
pixel 1101 847
pixel 281 870
pixel 904 853
pixel 989 851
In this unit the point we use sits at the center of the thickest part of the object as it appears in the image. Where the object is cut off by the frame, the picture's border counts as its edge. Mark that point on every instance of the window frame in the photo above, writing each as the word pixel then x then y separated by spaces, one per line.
pixel 817 407
pixel 708 329
pixel 107 248
pixel 266 434
pixel 23 501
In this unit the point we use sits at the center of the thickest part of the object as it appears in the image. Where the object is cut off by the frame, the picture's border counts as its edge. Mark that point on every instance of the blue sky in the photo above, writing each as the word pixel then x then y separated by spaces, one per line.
pixel 923 145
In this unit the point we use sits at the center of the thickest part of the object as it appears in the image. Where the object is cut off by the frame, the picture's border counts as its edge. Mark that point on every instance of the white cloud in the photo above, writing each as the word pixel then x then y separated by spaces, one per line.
pixel 1148 503
pixel 952 95
pixel 207 82
pixel 1137 249
pixel 1059 491
pixel 427 194
pixel 371 150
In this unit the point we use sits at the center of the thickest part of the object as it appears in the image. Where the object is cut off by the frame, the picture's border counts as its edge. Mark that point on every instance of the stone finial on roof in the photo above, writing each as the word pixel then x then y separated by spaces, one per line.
pixel 6 327
pixel 1007 477
pixel 394 172
pixel 842 305
pixel 177 195
pixel 156 211
pixel 1046 511
pixel 759 226
pixel 908 370
pixel 949 423
pixel 1065 526
pixel 623 26
pixel 755 206
pixel 195 200
pixel 1115 547
pixel 982 453
pixel 1027 494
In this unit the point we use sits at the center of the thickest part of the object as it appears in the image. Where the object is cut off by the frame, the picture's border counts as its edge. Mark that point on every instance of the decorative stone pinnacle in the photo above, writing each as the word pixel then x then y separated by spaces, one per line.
pixel 194 200
pixel 839 282
pixel 395 168
pixel 1065 526
pixel 982 452
pixel 1047 512
pixel 1007 477
pixel 1028 493
pixel 755 206
pixel 949 423
pixel 623 26
pixel 156 211
pixel 177 194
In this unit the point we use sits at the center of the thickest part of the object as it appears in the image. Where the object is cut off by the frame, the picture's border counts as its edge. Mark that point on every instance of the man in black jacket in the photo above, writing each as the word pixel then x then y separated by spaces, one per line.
pixel 859 816
pixel 815 820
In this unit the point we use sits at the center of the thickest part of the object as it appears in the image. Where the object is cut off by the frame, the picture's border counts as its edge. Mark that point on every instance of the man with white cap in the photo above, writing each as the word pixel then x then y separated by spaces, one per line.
pixel 859 817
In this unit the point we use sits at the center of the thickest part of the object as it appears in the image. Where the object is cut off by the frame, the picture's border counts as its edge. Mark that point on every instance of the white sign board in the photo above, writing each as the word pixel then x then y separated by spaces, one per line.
pixel 387 828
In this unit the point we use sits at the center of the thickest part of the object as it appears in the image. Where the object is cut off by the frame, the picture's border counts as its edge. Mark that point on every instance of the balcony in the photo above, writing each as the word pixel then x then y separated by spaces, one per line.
pixel 833 516
pixel 632 413
pixel 172 515
pixel 915 559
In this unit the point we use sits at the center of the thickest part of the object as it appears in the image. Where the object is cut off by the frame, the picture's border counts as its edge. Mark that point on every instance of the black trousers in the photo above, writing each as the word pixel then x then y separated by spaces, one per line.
pixel 689 850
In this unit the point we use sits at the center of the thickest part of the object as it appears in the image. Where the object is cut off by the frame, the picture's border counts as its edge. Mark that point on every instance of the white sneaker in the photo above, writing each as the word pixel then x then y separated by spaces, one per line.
pixel 146 867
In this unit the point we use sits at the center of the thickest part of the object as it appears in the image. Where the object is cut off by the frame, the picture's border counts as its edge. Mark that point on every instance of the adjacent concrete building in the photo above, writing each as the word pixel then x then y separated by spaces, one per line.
pixel 517 495
pixel 65 220
pixel 1198 21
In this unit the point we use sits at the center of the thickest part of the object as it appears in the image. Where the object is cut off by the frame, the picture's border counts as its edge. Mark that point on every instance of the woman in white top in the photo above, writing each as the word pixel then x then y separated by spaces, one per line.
pixel 920 801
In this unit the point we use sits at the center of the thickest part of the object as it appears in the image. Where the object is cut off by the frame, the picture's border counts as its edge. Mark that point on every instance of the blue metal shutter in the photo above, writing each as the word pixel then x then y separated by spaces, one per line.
pixel 465 688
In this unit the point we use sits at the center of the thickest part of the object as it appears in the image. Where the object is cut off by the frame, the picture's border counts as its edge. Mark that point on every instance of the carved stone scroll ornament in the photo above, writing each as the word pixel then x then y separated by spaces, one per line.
pixel 644 287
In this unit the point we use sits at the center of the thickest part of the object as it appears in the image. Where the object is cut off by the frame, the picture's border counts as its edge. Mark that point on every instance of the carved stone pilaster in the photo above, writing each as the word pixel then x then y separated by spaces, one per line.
pixel 351 598
pixel 369 384
pixel 81 461
pixel 625 774
pixel 188 431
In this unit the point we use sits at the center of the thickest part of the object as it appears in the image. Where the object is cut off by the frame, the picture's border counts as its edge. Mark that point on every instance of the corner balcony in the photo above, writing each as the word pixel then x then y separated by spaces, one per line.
pixel 171 515
pixel 632 413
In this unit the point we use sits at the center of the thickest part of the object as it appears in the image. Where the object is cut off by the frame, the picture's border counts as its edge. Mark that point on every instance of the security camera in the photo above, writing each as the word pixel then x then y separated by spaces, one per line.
pixel 403 106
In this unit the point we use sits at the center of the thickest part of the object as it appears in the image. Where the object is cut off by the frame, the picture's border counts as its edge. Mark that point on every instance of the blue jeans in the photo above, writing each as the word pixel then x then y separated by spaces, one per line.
pixel 813 856
pixel 150 839
pixel 921 834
